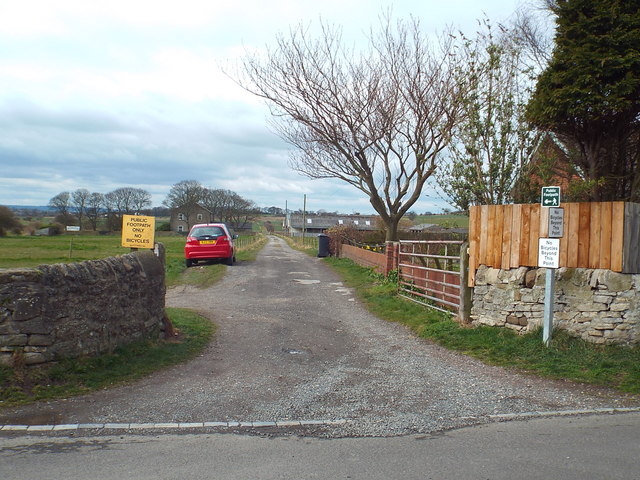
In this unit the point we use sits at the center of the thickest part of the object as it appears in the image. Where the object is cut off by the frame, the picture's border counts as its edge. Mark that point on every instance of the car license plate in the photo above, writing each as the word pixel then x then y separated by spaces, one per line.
pixel 207 242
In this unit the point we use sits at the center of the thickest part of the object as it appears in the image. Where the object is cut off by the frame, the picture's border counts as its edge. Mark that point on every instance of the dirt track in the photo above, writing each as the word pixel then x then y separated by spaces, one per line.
pixel 294 344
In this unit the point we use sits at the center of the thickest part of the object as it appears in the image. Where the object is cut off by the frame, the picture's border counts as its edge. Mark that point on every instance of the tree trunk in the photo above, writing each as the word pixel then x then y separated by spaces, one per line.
pixel 391 226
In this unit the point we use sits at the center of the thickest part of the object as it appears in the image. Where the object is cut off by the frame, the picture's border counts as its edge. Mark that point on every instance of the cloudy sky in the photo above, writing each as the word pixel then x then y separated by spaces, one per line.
pixel 101 95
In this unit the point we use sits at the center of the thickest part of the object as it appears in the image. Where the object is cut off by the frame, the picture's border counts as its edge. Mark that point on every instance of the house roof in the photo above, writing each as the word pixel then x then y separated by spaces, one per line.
pixel 361 222
pixel 422 226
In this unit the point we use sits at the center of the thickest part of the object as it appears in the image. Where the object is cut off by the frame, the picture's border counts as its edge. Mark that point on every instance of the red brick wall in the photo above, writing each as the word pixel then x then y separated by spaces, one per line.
pixel 366 258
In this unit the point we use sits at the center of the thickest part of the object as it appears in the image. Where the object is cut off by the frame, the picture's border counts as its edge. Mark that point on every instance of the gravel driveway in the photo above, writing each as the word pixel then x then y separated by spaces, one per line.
pixel 294 344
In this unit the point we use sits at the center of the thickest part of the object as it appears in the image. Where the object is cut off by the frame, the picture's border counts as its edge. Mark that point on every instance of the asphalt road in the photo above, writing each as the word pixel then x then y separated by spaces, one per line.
pixel 587 447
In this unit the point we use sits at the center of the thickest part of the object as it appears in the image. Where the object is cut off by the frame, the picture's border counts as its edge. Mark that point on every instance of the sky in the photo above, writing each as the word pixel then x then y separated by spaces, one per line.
pixel 131 93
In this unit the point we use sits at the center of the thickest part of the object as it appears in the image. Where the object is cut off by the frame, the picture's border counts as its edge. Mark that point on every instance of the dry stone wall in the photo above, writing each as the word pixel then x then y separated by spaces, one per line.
pixel 87 308
pixel 600 306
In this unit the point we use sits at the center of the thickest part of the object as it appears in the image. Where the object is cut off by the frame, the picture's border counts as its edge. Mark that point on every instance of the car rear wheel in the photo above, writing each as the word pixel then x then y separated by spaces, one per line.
pixel 230 260
pixel 189 262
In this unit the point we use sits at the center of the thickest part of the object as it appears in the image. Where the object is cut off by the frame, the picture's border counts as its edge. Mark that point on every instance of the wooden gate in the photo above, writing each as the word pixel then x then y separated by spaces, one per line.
pixel 433 273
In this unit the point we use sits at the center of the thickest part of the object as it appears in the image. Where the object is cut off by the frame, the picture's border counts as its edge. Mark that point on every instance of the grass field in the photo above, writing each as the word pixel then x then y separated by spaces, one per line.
pixel 450 221
pixel 30 251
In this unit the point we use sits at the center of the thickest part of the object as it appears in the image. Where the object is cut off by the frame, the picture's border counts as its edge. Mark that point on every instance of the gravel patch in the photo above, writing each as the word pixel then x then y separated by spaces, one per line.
pixel 293 345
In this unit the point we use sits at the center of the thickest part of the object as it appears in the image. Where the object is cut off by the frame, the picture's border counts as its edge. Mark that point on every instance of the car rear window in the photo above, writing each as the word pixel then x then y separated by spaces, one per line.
pixel 207 232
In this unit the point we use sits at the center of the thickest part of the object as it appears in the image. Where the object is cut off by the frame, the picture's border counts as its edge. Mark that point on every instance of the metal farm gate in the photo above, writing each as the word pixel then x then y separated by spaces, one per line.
pixel 433 273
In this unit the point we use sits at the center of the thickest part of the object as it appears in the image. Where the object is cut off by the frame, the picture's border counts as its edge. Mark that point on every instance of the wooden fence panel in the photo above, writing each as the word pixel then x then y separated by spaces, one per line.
pixel 516 236
pixel 596 235
pixel 606 211
pixel 505 258
pixel 526 226
pixel 571 234
pixel 534 235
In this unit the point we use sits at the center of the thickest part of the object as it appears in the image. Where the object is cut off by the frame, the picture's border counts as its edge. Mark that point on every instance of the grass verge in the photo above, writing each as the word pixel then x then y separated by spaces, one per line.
pixel 568 357
pixel 308 245
pixel 82 375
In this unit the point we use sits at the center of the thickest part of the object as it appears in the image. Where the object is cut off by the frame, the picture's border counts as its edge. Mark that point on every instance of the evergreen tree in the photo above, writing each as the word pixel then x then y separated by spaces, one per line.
pixel 589 95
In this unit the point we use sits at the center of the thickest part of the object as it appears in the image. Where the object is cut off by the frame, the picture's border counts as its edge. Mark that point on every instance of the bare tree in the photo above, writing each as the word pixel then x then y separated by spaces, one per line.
pixel 185 196
pixel 240 212
pixel 215 200
pixel 229 207
pixel 95 204
pixel 125 201
pixel 141 200
pixel 377 121
pixel 61 203
pixel 79 199
pixel 534 28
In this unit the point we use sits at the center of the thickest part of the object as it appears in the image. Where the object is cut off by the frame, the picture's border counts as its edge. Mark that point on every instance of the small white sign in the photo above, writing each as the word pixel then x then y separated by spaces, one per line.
pixel 556 222
pixel 73 228
pixel 549 253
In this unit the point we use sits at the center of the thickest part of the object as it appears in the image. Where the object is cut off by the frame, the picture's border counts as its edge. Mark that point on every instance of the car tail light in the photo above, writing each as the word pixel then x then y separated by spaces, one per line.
pixel 192 241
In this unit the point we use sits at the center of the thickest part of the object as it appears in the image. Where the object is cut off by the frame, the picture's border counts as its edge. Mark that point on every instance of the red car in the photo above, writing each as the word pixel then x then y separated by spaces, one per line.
pixel 208 241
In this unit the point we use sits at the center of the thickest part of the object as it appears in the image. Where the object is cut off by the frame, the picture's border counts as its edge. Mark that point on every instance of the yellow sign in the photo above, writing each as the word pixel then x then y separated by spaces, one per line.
pixel 138 231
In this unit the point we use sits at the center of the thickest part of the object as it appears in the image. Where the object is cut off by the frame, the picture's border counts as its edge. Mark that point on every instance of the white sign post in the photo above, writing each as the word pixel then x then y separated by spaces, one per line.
pixel 549 254
pixel 549 258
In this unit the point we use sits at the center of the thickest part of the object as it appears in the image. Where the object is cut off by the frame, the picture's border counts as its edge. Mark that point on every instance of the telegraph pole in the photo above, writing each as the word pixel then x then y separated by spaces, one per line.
pixel 304 217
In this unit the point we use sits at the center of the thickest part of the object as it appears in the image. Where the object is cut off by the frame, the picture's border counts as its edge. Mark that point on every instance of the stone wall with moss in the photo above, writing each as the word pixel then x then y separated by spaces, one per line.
pixel 87 308
pixel 600 306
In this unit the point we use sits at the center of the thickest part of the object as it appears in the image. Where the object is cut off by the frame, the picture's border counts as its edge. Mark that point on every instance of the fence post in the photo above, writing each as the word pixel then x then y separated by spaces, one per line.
pixel 391 251
pixel 466 292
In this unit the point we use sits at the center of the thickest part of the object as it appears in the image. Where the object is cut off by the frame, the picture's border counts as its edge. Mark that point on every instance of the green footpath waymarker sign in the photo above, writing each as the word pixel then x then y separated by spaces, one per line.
pixel 550 197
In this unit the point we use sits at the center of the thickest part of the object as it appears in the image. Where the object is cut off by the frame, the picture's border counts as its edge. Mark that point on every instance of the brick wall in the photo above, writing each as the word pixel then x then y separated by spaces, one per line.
pixel 366 258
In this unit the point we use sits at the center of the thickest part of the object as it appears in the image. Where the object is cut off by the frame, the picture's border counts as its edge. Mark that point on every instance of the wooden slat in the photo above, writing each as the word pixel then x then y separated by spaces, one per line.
pixel 524 235
pixel 499 228
pixel 584 222
pixel 491 236
pixel 617 235
pixel 631 255
pixel 516 236
pixel 534 235
pixel 594 236
pixel 544 223
pixel 571 235
pixel 505 262
pixel 605 235
pixel 484 234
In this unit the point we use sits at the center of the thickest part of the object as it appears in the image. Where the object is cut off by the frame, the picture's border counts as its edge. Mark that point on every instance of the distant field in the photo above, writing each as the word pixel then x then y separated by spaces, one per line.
pixel 30 251
pixel 451 221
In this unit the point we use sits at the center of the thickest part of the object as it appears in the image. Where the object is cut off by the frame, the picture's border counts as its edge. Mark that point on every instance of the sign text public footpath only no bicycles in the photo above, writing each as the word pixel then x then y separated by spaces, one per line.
pixel 138 231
